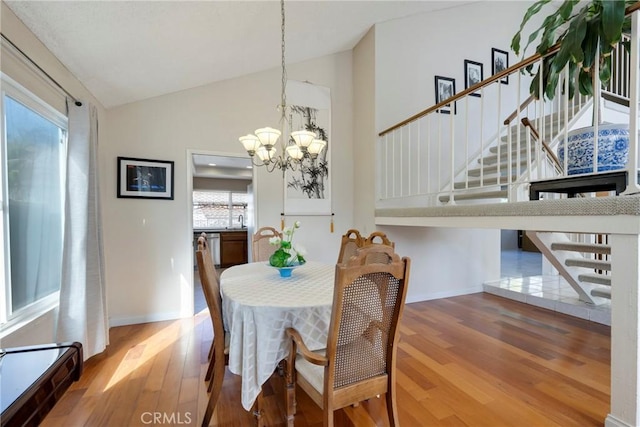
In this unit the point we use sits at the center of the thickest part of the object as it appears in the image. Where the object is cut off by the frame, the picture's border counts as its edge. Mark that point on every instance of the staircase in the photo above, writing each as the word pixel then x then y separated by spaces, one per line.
pixel 486 178
pixel 475 156
pixel 584 261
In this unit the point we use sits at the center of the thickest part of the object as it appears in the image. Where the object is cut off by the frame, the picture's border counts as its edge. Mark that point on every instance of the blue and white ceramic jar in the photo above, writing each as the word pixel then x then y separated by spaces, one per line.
pixel 613 149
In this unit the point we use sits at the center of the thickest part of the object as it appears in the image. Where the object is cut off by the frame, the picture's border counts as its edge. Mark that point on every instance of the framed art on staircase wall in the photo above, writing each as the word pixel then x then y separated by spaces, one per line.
pixel 472 75
pixel 499 62
pixel 445 88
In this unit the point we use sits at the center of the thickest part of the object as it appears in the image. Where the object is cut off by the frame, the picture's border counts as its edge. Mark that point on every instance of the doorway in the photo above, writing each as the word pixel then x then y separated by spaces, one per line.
pixel 517 257
pixel 220 198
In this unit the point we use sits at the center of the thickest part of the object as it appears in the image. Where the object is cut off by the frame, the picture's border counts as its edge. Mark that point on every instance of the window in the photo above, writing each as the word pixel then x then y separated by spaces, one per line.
pixel 219 209
pixel 32 174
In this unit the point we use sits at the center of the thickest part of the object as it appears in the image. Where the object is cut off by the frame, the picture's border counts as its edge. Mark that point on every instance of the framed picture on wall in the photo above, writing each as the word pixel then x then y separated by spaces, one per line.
pixel 499 62
pixel 145 179
pixel 445 88
pixel 472 75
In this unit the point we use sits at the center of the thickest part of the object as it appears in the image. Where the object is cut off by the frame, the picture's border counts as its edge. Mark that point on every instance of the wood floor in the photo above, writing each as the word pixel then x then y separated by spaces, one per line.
pixel 473 360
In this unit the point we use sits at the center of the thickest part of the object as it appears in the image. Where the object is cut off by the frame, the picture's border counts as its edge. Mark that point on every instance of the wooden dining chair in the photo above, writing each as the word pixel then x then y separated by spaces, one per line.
pixel 378 238
pixel 262 250
pixel 219 350
pixel 208 291
pixel 351 241
pixel 359 361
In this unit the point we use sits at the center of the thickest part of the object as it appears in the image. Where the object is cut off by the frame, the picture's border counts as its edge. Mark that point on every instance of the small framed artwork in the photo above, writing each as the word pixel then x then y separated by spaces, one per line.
pixel 145 179
pixel 445 88
pixel 499 62
pixel 472 75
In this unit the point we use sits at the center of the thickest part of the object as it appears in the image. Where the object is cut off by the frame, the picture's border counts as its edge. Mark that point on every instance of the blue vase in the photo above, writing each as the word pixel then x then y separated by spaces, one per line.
pixel 613 149
pixel 285 271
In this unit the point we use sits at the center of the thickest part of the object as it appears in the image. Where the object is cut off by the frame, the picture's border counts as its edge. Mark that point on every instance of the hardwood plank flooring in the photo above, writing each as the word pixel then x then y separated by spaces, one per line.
pixel 473 360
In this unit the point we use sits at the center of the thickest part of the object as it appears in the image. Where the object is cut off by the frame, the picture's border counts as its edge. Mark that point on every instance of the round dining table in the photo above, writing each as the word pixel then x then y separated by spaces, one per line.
pixel 258 306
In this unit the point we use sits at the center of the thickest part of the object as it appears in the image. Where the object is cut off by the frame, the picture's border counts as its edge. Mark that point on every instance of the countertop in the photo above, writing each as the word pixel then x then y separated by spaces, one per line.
pixel 219 230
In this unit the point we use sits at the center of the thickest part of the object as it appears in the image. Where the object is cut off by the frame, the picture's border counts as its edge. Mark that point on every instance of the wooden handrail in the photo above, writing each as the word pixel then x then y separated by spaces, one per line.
pixel 518 110
pixel 486 82
pixel 527 123
pixel 525 62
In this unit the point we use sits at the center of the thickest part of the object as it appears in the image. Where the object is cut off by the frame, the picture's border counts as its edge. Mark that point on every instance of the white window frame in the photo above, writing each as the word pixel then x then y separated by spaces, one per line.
pixel 230 194
pixel 10 321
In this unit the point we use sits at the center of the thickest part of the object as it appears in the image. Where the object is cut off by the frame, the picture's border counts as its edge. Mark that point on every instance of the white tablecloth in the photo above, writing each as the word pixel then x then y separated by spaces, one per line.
pixel 258 305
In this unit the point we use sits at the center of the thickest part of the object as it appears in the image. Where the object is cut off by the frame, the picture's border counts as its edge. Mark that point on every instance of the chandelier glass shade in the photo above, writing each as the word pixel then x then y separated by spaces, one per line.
pixel 294 147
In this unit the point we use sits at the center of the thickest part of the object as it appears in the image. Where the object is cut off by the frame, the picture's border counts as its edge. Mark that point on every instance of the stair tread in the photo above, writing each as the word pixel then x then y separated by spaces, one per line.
pixel 551 121
pixel 504 167
pixel 503 156
pixel 499 194
pixel 486 181
pixel 595 278
pixel 582 247
pixel 504 148
pixel 602 293
pixel 523 136
pixel 588 263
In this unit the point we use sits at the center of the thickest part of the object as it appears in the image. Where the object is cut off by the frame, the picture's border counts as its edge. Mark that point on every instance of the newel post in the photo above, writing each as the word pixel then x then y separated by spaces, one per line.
pixel 625 330
pixel 632 164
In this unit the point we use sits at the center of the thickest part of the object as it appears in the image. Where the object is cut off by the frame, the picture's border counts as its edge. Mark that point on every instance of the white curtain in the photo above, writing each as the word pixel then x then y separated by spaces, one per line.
pixel 83 314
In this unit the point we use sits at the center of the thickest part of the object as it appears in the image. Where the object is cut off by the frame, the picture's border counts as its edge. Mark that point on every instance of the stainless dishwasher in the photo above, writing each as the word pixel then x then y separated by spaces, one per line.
pixel 214 247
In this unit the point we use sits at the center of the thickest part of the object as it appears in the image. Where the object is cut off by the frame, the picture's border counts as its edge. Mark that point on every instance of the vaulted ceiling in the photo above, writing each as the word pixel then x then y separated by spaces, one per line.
pixel 126 51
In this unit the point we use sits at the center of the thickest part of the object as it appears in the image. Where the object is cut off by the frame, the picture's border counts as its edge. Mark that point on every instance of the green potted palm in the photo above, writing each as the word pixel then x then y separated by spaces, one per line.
pixel 580 35
pixel 598 26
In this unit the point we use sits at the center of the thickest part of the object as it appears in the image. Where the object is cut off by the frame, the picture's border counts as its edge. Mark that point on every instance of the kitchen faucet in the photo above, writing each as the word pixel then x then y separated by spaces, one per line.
pixel 241 219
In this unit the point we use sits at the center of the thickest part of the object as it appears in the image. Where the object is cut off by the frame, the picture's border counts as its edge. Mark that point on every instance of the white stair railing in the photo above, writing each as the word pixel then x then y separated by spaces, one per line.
pixel 447 151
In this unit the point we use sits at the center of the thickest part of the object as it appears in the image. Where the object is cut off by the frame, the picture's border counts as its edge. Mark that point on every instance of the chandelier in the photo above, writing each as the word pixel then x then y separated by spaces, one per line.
pixel 294 146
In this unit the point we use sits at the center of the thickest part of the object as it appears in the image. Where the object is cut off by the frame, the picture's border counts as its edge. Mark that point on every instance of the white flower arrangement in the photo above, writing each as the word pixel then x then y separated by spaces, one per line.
pixel 287 254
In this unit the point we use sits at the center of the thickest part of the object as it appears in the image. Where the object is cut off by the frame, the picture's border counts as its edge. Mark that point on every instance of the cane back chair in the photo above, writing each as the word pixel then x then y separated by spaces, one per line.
pixel 262 250
pixel 359 361
pixel 351 241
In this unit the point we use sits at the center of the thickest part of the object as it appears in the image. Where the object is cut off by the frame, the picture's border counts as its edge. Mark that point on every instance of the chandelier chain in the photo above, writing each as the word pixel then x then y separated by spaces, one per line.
pixel 295 147
pixel 283 94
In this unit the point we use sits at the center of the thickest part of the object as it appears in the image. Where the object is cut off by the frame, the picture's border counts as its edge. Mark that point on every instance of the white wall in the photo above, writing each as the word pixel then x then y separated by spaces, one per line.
pixel 447 262
pixel 509 239
pixel 148 242
pixel 39 330
pixel 364 136
pixel 221 184
pixel 411 51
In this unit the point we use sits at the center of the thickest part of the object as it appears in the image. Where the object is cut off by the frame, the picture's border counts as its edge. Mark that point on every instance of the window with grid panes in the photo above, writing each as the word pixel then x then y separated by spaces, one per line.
pixel 219 209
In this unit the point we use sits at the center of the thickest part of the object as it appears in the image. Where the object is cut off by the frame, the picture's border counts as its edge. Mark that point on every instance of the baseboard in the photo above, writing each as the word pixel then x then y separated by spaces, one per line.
pixel 444 294
pixel 134 320
pixel 612 421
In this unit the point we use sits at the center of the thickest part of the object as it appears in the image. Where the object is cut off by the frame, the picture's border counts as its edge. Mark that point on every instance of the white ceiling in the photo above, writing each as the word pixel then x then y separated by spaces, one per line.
pixel 207 166
pixel 126 51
